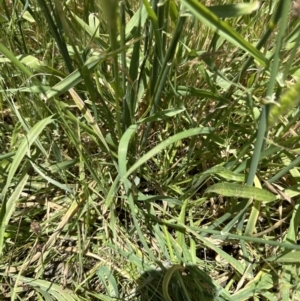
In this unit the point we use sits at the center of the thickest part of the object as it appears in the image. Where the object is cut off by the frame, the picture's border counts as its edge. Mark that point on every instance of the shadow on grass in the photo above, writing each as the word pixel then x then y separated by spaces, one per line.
pixel 192 284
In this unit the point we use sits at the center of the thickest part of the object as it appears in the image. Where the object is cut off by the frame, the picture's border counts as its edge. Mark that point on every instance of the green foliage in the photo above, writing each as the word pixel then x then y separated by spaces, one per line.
pixel 139 140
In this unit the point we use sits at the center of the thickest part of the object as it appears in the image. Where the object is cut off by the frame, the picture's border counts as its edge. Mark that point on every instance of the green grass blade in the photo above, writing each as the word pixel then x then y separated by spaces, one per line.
pixel 72 80
pixel 11 204
pixel 206 16
pixel 159 78
pixel 51 180
pixel 241 191
pixel 234 10
pixel 53 289
pixel 110 10
pixel 21 153
pixel 225 174
pixel 22 150
pixel 265 112
pixel 290 257
pixel 154 19
pixel 225 235
pixel 56 30
pixel 129 105
pixel 156 149
pixel 15 61
pixel 139 17
pixel 91 31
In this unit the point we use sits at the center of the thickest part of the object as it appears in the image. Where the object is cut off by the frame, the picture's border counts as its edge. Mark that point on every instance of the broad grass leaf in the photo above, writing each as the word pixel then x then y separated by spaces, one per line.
pixel 131 257
pixel 162 115
pixel 55 290
pixel 44 294
pixel 38 65
pixel 139 17
pixel 191 91
pixel 15 61
pixel 51 180
pixel 24 147
pixel 263 281
pixel 290 257
pixel 225 174
pixel 123 147
pixel 72 79
pixel 108 280
pixel 255 210
pixel 237 265
pixel 11 202
pixel 241 191
pixel 205 15
pixel 27 16
pixel 92 31
pixel 102 297
pixel 234 10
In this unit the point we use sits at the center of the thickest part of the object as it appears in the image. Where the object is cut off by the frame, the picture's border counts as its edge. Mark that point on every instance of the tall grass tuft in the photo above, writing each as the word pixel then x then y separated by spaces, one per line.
pixel 149 150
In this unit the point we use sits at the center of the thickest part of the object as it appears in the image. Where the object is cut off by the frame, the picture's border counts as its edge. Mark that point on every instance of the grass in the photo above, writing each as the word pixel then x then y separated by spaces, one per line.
pixel 149 150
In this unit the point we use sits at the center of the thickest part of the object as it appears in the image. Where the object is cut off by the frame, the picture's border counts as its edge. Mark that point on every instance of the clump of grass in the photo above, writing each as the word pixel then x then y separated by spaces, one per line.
pixel 139 158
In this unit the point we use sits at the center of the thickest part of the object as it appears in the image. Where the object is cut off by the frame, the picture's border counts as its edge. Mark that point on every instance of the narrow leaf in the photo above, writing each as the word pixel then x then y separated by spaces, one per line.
pixel 125 140
pixel 241 191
